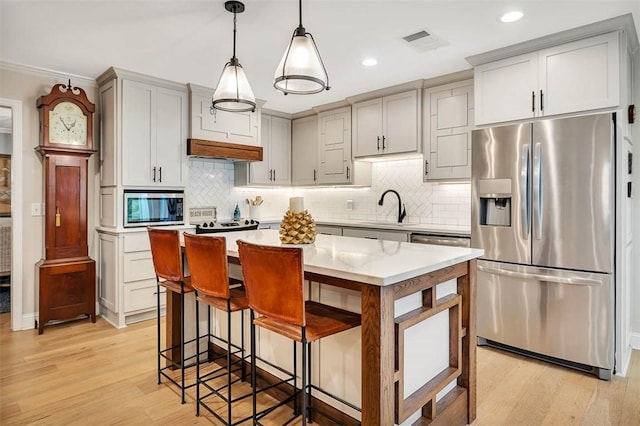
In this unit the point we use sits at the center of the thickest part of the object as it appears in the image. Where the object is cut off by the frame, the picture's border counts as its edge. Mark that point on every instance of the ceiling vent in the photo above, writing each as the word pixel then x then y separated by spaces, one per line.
pixel 424 40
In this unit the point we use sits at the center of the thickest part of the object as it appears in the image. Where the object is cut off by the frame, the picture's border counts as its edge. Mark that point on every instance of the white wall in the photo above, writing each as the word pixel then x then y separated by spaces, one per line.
pixel 27 85
pixel 211 184
pixel 635 132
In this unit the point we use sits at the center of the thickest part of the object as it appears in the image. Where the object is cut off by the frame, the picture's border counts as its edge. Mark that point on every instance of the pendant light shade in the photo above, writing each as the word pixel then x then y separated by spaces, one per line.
pixel 301 70
pixel 233 92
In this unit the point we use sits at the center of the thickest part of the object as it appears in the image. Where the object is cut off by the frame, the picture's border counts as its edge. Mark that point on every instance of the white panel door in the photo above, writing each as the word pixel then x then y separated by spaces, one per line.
pixel 280 150
pixel 138 132
pixel 400 123
pixel 448 123
pixel 260 171
pixel 580 76
pixel 108 134
pixel 335 146
pixel 304 150
pixel 506 90
pixel 171 137
pixel 367 128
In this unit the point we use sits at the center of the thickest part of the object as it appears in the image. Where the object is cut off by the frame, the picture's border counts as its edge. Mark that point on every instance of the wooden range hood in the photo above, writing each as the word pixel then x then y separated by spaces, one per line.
pixel 229 151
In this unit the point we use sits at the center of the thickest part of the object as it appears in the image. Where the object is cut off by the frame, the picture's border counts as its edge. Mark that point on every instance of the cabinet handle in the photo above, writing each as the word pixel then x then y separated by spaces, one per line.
pixel 426 167
pixel 274 175
pixel 348 173
pixel 314 175
pixel 541 101
pixel 160 168
pixel 58 217
pixel 154 174
pixel 270 174
pixel 378 145
pixel 533 101
pixel 383 139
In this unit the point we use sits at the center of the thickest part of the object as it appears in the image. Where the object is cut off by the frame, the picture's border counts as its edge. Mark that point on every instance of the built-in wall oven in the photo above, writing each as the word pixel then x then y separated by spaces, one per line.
pixel 153 208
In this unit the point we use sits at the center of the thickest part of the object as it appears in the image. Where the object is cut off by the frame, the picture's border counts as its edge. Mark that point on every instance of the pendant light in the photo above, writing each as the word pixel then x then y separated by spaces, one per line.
pixel 233 92
pixel 301 70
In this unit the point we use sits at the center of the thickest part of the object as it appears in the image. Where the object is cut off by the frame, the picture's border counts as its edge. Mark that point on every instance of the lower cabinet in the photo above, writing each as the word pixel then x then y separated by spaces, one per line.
pixel 376 234
pixel 126 277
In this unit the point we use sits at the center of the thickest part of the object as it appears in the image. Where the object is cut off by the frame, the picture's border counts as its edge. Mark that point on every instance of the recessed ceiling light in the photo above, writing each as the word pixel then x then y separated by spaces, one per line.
pixel 512 16
pixel 369 62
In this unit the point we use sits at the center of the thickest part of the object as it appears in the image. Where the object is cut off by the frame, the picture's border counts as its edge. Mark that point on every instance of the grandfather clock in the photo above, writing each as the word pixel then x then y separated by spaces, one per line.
pixel 67 275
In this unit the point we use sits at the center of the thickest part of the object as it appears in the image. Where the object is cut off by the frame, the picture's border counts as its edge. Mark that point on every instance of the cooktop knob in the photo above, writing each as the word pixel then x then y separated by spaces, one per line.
pixel 246 222
pixel 211 224
pixel 253 221
pixel 204 225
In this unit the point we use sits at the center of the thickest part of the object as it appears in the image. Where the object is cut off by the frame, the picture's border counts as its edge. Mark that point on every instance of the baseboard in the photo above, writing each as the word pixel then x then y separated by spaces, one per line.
pixel 29 321
pixel 635 341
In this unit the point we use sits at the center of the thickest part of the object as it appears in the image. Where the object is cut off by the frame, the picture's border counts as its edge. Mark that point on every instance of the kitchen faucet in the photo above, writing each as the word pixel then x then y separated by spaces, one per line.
pixel 401 210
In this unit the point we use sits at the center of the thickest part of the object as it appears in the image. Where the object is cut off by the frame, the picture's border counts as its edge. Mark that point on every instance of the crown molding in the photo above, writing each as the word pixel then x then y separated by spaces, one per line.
pixel 44 72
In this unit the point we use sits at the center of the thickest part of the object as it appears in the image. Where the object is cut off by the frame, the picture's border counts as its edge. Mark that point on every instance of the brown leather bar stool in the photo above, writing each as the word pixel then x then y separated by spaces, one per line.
pixel 207 259
pixel 274 278
pixel 167 261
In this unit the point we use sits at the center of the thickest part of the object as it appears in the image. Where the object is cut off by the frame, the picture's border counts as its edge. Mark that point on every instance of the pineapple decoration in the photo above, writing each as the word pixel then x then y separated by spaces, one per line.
pixel 297 227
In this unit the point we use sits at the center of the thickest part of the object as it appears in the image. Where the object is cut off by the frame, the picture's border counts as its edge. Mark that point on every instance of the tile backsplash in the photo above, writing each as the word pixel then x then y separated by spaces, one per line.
pixel 211 184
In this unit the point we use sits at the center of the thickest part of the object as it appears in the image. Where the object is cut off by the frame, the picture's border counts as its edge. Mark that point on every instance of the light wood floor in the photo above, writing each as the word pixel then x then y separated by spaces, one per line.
pixel 81 373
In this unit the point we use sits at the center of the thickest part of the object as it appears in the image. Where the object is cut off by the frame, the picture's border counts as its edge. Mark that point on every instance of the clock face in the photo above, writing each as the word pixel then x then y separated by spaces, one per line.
pixel 67 125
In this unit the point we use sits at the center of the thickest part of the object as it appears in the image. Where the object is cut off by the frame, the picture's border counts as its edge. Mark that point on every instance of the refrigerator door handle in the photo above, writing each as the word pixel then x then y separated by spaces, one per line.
pixel 539 277
pixel 537 191
pixel 524 201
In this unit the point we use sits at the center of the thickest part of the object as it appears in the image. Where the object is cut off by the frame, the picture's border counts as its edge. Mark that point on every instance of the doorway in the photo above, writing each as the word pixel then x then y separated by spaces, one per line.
pixel 11 207
pixel 5 208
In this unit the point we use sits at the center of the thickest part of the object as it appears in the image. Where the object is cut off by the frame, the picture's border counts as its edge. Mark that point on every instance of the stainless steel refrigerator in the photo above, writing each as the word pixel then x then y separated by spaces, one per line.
pixel 543 211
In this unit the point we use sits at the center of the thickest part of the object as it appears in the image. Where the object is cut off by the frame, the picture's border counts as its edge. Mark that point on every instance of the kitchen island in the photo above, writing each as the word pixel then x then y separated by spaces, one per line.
pixel 384 272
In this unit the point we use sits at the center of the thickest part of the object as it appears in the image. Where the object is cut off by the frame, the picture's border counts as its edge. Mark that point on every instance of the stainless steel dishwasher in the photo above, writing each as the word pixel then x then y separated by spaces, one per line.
pixel 441 240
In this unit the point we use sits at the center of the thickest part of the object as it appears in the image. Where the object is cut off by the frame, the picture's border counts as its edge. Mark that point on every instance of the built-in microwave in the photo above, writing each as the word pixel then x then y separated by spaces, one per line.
pixel 152 208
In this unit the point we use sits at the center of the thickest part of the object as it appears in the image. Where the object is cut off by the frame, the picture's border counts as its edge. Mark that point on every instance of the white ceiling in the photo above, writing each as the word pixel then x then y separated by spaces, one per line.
pixel 189 41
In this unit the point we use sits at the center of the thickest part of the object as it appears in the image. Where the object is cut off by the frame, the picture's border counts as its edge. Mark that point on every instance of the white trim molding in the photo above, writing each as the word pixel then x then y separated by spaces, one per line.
pixel 17 322
pixel 78 80
pixel 635 341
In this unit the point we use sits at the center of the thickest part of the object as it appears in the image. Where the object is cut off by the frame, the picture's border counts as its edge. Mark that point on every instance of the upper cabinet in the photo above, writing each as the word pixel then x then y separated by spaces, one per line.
pixel 153 134
pixel 275 169
pixel 144 134
pixel 221 126
pixel 334 150
pixel 448 121
pixel 387 125
pixel 304 150
pixel 579 76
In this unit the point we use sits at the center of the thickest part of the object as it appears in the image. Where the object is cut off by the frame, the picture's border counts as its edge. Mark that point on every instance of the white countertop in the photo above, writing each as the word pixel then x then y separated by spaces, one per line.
pixel 374 262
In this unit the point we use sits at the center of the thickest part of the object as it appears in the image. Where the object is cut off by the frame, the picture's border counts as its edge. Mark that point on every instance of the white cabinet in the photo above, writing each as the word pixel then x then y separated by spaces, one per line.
pixel 304 150
pixel 387 125
pixel 153 135
pixel 127 283
pixel 328 230
pixel 275 168
pixel 448 121
pixel 221 126
pixel 335 165
pixel 572 77
pixel 376 234
pixel 143 131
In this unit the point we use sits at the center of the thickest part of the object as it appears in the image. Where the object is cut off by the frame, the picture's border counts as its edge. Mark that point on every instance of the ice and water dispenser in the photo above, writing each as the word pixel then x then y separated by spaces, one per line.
pixel 495 202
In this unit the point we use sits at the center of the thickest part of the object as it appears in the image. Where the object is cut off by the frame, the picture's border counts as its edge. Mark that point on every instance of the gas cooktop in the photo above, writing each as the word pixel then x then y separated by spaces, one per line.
pixel 212 227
